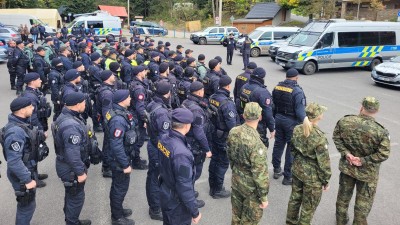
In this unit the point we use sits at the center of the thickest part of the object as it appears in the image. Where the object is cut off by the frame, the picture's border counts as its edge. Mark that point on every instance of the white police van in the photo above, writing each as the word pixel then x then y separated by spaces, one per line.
pixel 103 23
pixel 273 49
pixel 213 35
pixel 340 43
pixel 263 37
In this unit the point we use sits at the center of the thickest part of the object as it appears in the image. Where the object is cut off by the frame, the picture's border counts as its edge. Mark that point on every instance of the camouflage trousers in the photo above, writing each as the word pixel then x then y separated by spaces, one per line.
pixel 245 208
pixel 303 202
pixel 365 193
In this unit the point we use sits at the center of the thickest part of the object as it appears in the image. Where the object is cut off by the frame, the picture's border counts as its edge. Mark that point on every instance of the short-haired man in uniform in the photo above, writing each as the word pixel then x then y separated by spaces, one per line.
pixel 122 133
pixel 159 123
pixel 56 81
pixel 363 144
pixel 21 171
pixel 224 118
pixel 248 158
pixel 20 62
pixel 178 201
pixel 71 139
pixel 11 68
pixel 289 111
pixel 241 80
pixel 256 91
pixel 41 67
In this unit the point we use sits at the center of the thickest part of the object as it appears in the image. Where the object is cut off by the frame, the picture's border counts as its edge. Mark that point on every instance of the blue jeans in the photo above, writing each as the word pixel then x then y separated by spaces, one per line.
pixel 283 133
pixel 34 37
pixel 152 187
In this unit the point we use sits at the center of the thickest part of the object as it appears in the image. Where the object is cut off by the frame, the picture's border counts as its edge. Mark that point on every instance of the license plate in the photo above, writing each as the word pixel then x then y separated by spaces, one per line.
pixel 385 79
pixel 282 64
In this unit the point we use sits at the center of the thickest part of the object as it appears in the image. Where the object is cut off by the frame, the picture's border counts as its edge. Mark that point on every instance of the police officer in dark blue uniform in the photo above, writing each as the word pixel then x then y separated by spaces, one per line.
pixel 20 62
pixel 224 118
pixel 139 55
pixel 21 160
pixel 85 58
pixel 41 67
pixel 256 91
pixel 11 68
pixel 159 123
pixel 119 84
pixel 71 140
pixel 95 81
pixel 71 79
pixel 197 136
pixel 33 83
pixel 139 89
pixel 184 84
pixel 154 66
pixel 64 32
pixel 177 172
pixel 126 66
pixel 230 44
pixel 56 81
pixel 212 77
pixel 122 134
pixel 104 97
pixel 64 56
pixel 289 111
pixel 223 72
pixel 241 80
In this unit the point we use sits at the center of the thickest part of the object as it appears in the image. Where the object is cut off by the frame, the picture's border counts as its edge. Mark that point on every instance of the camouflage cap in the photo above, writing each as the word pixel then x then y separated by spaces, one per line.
pixel 252 111
pixel 370 103
pixel 313 110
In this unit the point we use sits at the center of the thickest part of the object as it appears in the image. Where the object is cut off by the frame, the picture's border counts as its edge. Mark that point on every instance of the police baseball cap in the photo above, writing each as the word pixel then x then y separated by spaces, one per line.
pixel 188 51
pixel 178 58
pixel 224 81
pixel 171 65
pixel 201 57
pixel 163 87
pixel 95 56
pixel 55 62
pixel 292 73
pixel 163 67
pixel 120 95
pixel 167 44
pixel 49 39
pixel 213 63
pixel 313 110
pixel 189 71
pixel 39 49
pixel 71 74
pixel 196 86
pixel 182 115
pixel 31 77
pixel 371 104
pixel 251 65
pixel 190 60
pixel 20 103
pixel 115 67
pixel 77 64
pixel 138 69
pixel 129 53
pixel 179 47
pixel 171 53
pixel 160 43
pixel 259 72
pixel 154 54
pixel 252 111
pixel 218 58
pixel 74 98
pixel 105 74
pixel 18 42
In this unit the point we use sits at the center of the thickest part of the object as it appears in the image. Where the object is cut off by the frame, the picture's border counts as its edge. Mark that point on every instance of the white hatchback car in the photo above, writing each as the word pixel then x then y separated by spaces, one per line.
pixel 388 72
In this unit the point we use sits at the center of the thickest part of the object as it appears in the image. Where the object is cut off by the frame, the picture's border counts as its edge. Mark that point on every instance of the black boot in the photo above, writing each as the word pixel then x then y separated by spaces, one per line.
pixel 277 173
pixel 106 172
pixel 123 221
pixel 85 222
pixel 155 214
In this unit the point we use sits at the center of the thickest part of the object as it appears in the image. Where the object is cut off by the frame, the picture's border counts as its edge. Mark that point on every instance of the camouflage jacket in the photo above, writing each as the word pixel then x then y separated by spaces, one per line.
pixel 311 163
pixel 248 157
pixel 363 137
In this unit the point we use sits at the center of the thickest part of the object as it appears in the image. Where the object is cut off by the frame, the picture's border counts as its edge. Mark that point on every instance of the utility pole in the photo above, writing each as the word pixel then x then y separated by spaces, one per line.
pixel 358 9
pixel 129 22
pixel 220 12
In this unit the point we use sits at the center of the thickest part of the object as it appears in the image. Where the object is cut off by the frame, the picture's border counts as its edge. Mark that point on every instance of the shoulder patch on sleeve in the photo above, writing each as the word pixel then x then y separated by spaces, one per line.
pixel 184 171
pixel 267 101
pixel 15 146
pixel 231 114
pixel 74 139
pixel 117 133
pixel 166 125
pixel 140 97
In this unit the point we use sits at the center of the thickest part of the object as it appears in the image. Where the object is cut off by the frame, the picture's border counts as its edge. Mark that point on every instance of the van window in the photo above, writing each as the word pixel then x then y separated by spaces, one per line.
pixel 326 40
pixel 266 36
pixel 213 31
pixel 4 31
pixel 79 23
pixel 351 39
pixel 232 30
pixel 221 30
pixel 33 21
pixel 282 35
pixel 96 24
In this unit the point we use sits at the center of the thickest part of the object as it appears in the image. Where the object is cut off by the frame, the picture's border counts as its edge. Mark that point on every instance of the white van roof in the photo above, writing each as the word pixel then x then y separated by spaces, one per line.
pixel 320 26
pixel 278 28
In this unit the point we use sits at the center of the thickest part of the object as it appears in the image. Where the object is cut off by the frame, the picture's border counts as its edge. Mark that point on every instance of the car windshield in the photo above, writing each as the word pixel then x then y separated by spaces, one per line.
pixel 255 34
pixel 70 25
pixel 305 39
pixel 290 38
pixel 207 29
pixel 396 59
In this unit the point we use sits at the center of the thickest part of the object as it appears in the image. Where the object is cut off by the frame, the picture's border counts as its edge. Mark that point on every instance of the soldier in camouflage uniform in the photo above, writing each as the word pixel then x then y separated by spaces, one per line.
pixel 363 144
pixel 311 167
pixel 248 157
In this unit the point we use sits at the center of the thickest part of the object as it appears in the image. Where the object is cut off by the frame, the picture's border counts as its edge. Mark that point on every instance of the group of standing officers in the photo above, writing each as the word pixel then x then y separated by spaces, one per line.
pixel 136 91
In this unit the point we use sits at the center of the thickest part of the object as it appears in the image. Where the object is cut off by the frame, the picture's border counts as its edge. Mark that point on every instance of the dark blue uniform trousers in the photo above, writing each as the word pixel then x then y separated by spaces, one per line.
pixel 152 187
pixel 24 211
pixel 106 148
pixel 199 170
pixel 139 144
pixel 246 59
pixel 174 212
pixel 284 129
pixel 119 188
pixel 218 166
pixel 73 203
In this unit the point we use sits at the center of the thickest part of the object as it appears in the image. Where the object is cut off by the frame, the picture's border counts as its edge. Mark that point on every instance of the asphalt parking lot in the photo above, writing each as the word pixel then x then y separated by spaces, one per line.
pixel 340 90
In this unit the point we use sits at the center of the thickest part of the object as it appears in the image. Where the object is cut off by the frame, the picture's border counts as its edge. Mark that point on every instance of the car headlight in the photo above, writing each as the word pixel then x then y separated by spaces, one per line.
pixel 295 55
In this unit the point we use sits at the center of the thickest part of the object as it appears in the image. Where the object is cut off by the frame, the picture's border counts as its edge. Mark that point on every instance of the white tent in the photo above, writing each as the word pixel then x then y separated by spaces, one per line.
pixel 49 16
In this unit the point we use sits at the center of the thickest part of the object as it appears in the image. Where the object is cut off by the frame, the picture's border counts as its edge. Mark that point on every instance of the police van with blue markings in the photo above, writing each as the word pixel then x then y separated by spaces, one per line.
pixel 103 23
pixel 213 35
pixel 339 44
pixel 263 37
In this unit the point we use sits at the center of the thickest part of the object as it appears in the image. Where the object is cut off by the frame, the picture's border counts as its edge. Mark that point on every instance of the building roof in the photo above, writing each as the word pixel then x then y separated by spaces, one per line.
pixel 263 11
pixel 119 11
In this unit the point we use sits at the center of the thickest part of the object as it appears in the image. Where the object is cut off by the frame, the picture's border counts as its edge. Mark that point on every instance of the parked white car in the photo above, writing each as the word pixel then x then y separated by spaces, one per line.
pixel 387 73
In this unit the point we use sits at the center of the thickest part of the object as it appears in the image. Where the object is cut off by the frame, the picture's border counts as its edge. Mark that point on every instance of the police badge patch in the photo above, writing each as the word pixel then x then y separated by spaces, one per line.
pixel 74 139
pixel 231 114
pixel 268 101
pixel 117 133
pixel 141 97
pixel 166 126
pixel 15 146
